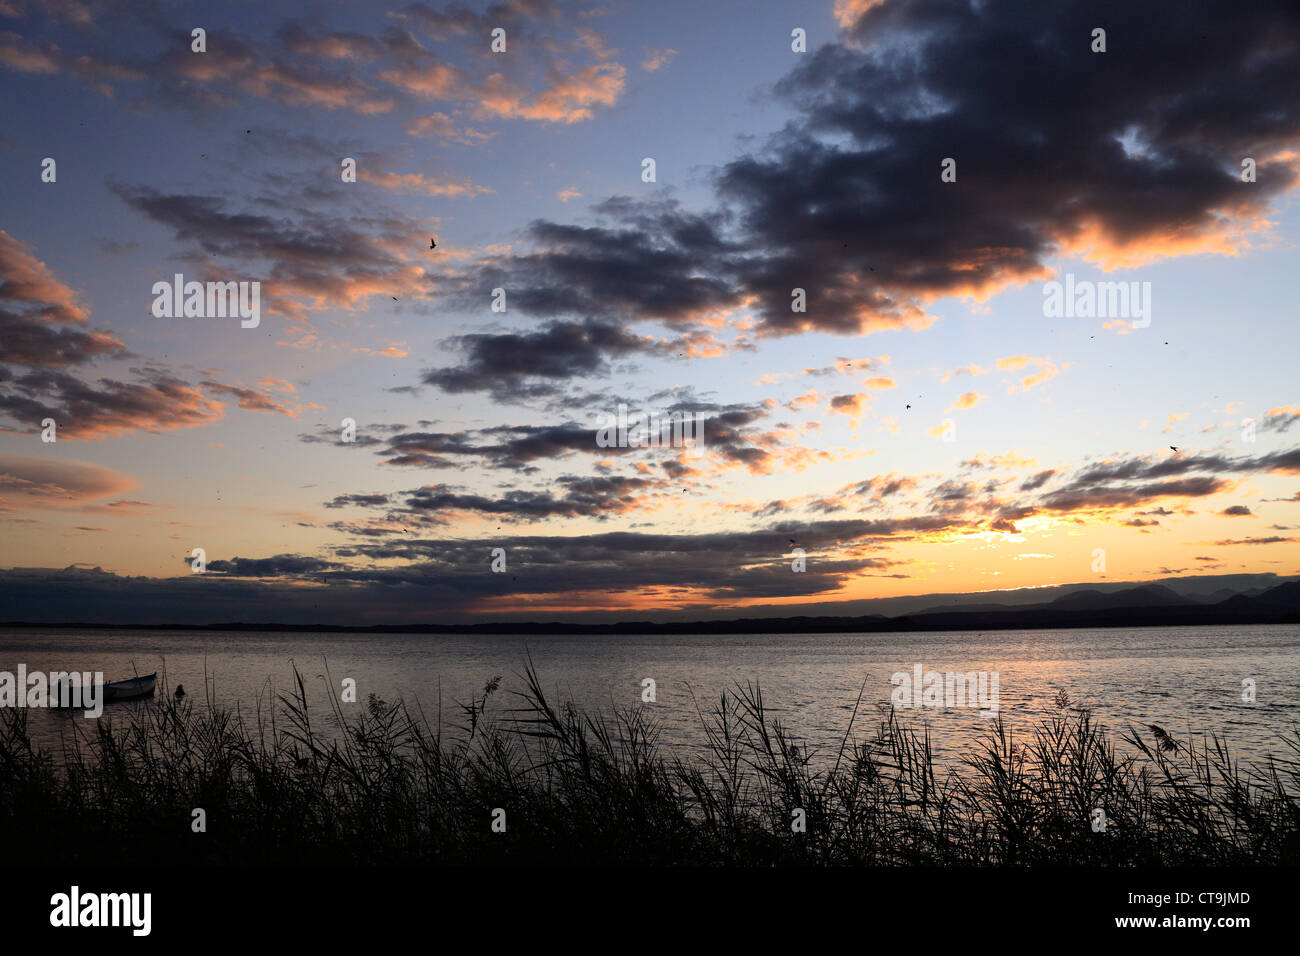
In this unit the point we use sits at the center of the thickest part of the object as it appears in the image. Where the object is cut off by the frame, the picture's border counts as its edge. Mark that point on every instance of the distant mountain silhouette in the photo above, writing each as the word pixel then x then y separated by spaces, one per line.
pixel 1147 595
pixel 1284 595
pixel 1152 595
pixel 1145 606
pixel 1142 606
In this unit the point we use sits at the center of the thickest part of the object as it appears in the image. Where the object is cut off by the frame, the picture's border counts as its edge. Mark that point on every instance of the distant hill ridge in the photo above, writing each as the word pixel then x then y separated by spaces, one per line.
pixel 1148 605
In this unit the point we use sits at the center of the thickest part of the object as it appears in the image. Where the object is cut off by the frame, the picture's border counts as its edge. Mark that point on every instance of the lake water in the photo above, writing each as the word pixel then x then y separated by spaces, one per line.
pixel 1181 678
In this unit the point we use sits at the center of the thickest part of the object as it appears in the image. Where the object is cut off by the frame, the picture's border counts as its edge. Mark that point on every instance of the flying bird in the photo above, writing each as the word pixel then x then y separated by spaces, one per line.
pixel 907 406
pixel 432 244
pixel 394 298
pixel 1173 448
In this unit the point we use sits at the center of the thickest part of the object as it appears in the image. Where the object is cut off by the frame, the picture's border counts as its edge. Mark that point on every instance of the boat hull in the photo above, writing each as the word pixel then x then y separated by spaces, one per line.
pixel 130 689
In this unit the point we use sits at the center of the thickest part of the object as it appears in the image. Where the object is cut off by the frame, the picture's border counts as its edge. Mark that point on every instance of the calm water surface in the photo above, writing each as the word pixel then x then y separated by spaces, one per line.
pixel 1181 678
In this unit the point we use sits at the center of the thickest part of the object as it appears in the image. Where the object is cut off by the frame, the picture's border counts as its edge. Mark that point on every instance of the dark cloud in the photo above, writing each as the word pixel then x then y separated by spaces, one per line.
pixel 1131 481
pixel 878 488
pixel 953 492
pixel 279 566
pixel 450 575
pixel 1273 539
pixel 1089 495
pixel 249 399
pixel 315 260
pixel 509 365
pixel 516 446
pixel 1042 169
pixel 1280 419
pixel 722 564
pixel 311 66
pixel 847 202
pixel 653 261
pixel 425 449
pixel 456 19
pixel 38 345
pixel 330 435
pixel 1034 482
pixel 42 322
pixel 599 498
pixel 729 432
pixel 340 501
pixel 155 401
pixel 360 582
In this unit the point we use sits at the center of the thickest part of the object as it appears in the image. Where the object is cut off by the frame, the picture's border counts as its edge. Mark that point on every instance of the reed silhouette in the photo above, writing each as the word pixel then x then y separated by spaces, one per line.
pixel 387 786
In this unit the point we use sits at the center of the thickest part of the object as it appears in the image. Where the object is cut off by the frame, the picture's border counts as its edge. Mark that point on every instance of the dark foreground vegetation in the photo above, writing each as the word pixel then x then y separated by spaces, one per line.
pixel 388 787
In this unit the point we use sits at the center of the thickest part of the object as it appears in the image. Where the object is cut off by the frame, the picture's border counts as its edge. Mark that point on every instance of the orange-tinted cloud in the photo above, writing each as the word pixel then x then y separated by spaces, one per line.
pixel 24 277
pixel 39 483
pixel 657 59
pixel 1047 370
pixel 421 183
pixel 570 98
pixel 849 12
pixel 966 400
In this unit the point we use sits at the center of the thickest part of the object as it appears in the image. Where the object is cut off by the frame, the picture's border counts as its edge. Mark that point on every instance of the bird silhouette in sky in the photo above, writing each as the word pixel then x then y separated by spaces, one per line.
pixel 432 244
pixel 1173 448
pixel 907 406
pixel 394 298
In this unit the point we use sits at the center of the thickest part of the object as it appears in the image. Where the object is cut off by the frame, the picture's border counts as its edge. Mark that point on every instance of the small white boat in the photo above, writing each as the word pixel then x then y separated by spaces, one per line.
pixel 116 690
pixel 130 689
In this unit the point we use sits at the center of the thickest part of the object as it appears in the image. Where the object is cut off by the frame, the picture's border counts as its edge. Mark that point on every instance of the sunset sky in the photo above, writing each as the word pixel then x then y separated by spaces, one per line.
pixel 775 170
